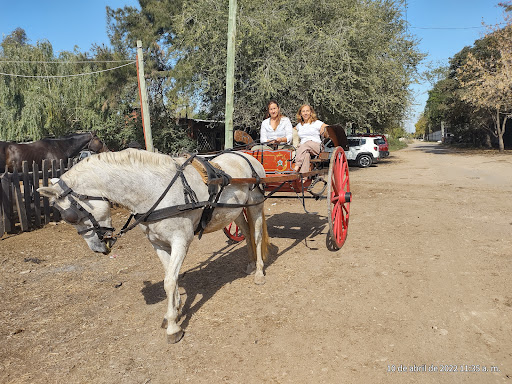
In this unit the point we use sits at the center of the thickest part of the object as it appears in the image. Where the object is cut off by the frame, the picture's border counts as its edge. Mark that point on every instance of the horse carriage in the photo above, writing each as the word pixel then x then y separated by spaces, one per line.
pixel 329 170
pixel 174 198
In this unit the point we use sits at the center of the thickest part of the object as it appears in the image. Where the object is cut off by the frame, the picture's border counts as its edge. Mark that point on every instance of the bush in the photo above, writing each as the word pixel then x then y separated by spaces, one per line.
pixel 395 144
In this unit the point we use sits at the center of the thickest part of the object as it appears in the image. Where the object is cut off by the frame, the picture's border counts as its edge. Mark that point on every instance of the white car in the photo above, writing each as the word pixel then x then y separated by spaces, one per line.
pixel 363 150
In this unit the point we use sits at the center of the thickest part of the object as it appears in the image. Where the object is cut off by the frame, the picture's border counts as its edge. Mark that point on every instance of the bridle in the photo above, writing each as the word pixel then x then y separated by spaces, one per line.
pixel 76 213
pixel 89 144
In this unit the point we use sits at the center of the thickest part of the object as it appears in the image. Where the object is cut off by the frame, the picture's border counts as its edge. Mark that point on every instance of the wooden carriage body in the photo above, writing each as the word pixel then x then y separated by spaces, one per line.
pixel 279 162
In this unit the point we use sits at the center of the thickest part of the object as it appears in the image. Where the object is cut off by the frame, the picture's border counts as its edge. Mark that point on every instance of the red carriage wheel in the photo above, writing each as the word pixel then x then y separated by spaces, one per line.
pixel 338 198
pixel 233 232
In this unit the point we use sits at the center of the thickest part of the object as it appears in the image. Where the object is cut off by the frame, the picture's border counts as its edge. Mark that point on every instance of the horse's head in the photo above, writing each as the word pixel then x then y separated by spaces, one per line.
pixel 96 145
pixel 90 215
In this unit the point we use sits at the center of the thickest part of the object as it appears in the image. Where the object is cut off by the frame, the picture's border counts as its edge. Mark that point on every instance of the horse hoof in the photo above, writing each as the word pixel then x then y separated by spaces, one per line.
pixel 175 337
pixel 259 279
pixel 164 323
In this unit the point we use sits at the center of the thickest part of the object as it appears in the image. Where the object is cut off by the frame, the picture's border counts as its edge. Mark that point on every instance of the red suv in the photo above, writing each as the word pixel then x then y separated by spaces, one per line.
pixel 382 142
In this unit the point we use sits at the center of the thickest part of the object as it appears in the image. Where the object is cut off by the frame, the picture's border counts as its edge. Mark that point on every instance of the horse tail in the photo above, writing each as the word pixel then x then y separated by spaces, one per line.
pixel 264 235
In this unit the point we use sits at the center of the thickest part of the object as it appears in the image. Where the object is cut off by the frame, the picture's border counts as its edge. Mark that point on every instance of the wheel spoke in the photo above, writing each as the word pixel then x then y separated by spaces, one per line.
pixel 338 207
pixel 345 179
pixel 339 174
pixel 338 223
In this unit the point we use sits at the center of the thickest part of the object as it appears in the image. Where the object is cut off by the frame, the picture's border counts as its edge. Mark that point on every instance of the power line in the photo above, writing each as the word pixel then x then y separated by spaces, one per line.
pixel 62 76
pixel 64 62
pixel 482 26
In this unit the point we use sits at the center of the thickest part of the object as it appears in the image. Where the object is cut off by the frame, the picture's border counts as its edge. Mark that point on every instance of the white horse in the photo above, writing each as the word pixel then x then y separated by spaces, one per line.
pixel 137 180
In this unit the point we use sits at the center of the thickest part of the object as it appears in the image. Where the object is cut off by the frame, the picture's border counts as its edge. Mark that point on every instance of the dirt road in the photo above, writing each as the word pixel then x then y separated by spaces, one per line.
pixel 420 293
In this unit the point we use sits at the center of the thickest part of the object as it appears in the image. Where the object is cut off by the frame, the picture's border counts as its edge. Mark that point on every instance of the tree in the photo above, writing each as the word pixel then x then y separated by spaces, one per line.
pixel 421 126
pixel 78 92
pixel 352 60
pixel 445 103
pixel 39 98
pixel 487 84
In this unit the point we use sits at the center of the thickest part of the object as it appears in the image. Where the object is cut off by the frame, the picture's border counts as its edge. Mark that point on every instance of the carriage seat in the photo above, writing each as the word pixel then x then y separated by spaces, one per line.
pixel 243 137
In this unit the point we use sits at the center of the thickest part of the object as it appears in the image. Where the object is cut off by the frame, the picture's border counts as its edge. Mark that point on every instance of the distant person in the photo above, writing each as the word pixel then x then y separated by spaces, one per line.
pixel 276 129
pixel 310 131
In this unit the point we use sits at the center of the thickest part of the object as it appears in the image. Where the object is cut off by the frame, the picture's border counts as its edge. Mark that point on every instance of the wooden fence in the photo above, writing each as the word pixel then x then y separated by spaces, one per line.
pixel 21 207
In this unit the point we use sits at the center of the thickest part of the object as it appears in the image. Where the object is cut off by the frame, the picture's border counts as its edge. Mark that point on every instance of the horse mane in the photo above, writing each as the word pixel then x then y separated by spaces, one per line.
pixel 66 137
pixel 132 158
pixel 116 162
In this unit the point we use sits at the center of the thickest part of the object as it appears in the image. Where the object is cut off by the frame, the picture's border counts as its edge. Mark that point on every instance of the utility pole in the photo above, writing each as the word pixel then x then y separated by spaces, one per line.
pixel 143 96
pixel 230 76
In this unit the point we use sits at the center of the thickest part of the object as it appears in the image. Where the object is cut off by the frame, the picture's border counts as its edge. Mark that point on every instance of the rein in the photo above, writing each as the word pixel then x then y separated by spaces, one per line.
pixel 208 206
pixel 143 217
pixel 106 234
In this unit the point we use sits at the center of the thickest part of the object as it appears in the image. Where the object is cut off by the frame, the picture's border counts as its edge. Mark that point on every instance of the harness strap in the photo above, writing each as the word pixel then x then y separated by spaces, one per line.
pixel 254 173
pixel 214 191
pixel 164 213
pixel 79 196
pixel 214 173
pixel 190 195
pixel 207 214
pixel 179 170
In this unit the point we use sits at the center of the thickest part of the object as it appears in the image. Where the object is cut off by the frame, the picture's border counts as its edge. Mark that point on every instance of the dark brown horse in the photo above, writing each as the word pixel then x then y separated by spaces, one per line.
pixel 51 149
pixel 3 145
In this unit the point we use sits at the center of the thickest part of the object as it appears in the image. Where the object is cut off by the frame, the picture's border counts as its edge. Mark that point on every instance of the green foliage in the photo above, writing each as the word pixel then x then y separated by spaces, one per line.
pixel 421 126
pixel 474 90
pixel 105 102
pixel 396 132
pixel 395 144
pixel 351 60
pixel 34 107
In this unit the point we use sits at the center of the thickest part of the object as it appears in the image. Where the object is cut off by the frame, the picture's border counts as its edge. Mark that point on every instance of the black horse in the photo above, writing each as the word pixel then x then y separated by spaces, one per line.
pixel 48 148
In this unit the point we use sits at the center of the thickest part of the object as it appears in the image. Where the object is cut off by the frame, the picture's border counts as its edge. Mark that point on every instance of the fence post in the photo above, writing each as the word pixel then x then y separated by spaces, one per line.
pixel 55 174
pixel 26 191
pixel 6 202
pixel 37 197
pixel 20 206
pixel 46 202
pixel 2 225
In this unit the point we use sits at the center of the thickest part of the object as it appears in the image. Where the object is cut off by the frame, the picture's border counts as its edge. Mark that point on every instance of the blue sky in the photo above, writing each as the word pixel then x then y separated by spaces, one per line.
pixel 444 27
pixel 66 23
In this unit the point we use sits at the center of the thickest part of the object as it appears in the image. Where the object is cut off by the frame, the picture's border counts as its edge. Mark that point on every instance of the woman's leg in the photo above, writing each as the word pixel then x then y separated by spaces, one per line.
pixel 303 156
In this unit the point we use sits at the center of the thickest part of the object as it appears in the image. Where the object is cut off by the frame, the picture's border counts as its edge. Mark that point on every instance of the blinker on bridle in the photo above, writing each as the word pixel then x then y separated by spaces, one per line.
pixel 76 212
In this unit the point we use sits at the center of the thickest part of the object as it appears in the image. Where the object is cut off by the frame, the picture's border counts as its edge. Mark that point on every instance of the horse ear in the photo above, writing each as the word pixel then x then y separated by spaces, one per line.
pixel 48 191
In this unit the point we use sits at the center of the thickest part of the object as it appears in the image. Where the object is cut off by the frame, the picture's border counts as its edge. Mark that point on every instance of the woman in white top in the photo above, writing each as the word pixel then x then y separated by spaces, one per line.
pixel 276 128
pixel 310 130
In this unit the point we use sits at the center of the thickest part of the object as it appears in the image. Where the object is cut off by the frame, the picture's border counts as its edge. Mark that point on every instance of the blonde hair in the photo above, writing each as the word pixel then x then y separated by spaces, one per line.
pixel 311 118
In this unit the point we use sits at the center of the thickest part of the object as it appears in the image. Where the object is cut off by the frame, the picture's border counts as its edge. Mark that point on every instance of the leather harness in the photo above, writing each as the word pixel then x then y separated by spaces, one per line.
pixel 153 214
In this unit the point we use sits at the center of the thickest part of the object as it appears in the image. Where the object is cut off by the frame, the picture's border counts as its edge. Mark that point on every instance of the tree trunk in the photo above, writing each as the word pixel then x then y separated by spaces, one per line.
pixel 501 132
pixel 488 141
